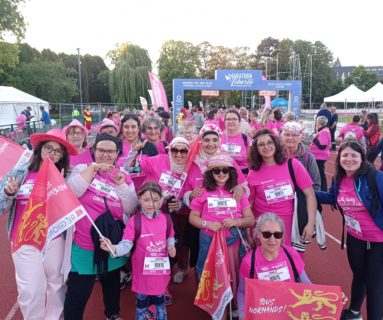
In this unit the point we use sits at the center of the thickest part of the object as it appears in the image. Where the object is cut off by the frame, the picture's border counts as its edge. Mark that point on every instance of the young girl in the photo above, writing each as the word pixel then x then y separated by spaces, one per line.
pixel 150 261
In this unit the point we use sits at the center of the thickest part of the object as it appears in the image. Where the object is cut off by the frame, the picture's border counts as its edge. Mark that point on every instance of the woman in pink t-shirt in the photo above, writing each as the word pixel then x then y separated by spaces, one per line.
pixel 357 189
pixel 271 187
pixel 216 209
pixel 266 121
pixel 150 261
pixel 152 128
pixel 269 261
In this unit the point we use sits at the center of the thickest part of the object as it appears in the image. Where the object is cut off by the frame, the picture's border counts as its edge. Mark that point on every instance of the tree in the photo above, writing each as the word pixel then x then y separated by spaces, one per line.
pixel 361 78
pixel 9 58
pixel 11 20
pixel 129 79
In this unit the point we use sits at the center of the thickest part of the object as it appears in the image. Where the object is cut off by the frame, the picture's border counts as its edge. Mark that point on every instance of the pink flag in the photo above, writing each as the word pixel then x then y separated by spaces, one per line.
pixel 159 98
pixel 144 104
pixel 267 98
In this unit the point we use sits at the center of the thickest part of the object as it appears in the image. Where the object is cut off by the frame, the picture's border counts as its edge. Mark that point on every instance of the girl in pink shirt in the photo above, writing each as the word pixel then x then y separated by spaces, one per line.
pixel 150 261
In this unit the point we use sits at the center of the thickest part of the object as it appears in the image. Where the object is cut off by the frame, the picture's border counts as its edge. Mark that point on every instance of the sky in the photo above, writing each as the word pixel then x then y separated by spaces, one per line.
pixel 349 29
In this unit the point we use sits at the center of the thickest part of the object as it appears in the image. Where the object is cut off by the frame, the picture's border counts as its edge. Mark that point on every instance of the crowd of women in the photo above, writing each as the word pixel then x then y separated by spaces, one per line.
pixel 159 200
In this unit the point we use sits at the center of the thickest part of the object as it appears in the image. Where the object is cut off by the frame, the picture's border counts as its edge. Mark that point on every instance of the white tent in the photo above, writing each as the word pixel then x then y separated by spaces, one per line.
pixel 350 94
pixel 375 93
pixel 14 101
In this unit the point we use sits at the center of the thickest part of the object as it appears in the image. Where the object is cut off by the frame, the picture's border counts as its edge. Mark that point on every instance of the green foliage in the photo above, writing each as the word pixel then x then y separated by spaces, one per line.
pixel 361 78
pixel 11 20
pixel 129 79
pixel 8 57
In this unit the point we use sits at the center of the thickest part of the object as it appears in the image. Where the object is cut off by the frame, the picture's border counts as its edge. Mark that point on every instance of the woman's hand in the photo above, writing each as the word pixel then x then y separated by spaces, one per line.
pixel 102 167
pixel 196 192
pixel 12 186
pixel 231 222
pixel 174 205
pixel 119 178
pixel 213 226
pixel 137 146
pixel 104 243
pixel 237 192
pixel 172 251
pixel 308 232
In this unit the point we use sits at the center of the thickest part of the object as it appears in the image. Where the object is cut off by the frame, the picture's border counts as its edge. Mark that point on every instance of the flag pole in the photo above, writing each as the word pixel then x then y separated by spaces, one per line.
pixel 100 234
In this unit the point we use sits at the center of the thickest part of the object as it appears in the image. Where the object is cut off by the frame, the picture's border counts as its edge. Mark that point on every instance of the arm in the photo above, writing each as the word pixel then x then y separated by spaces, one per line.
pixel 246 222
pixel 128 197
pixel 311 203
pixel 327 197
pixel 77 182
pixel 371 131
pixel 312 169
pixel 196 221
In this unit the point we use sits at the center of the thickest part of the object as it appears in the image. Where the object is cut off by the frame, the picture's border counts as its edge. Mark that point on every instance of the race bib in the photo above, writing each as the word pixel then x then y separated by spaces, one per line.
pixel 221 205
pixel 232 149
pixel 156 263
pixel 104 189
pixel 353 224
pixel 170 183
pixel 25 191
pixel 278 192
pixel 277 272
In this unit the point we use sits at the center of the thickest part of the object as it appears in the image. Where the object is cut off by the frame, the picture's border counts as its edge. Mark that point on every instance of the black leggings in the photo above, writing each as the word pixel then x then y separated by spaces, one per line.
pixel 322 174
pixel 80 288
pixel 367 268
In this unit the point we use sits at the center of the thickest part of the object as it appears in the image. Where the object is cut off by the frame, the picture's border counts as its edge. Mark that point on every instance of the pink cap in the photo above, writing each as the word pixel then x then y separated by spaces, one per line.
pixel 109 123
pixel 75 123
pixel 220 160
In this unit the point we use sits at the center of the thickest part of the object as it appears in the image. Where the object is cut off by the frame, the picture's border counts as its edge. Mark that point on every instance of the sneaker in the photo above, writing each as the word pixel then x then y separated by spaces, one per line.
pixel 168 298
pixel 179 276
pixel 347 314
pixel 114 317
pixel 125 278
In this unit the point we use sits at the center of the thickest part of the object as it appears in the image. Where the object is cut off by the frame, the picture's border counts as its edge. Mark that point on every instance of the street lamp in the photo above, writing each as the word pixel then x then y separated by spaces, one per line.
pixel 79 75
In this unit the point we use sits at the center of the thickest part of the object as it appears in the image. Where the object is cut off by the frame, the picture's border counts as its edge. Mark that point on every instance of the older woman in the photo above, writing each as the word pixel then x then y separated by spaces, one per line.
pixel 234 142
pixel 357 189
pixel 216 209
pixel 152 128
pixel 187 130
pixel 39 276
pixel 100 188
pixel 110 127
pixel 76 135
pixel 270 260
pixel 320 147
pixel 271 186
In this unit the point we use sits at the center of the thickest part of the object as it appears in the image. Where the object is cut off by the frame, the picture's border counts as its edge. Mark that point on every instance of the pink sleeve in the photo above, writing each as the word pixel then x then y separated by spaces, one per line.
pixel 324 137
pixel 244 202
pixel 251 186
pixel 129 230
pixel 197 203
pixel 244 269
pixel 301 175
pixel 145 164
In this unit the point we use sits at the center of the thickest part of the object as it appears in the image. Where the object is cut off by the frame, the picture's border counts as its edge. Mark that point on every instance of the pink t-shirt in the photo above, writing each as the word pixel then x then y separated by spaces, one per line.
pixel 217 206
pixel 195 177
pixel 235 147
pixel 279 125
pixel 271 189
pixel 81 158
pixel 215 122
pixel 101 186
pixel 21 200
pixel 167 135
pixel 160 147
pixel 359 222
pixel 324 138
pixel 278 269
pixel 356 129
pixel 125 151
pixel 152 240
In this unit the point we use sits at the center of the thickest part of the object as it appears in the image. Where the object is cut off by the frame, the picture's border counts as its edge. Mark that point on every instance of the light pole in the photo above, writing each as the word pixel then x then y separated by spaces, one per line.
pixel 79 75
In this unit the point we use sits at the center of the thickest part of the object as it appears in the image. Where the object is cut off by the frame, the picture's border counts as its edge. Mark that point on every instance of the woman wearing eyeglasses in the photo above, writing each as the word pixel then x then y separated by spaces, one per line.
pixel 216 209
pixel 357 189
pixel 152 128
pixel 270 260
pixel 271 187
pixel 39 276
pixel 234 142
pixel 100 187
pixel 76 135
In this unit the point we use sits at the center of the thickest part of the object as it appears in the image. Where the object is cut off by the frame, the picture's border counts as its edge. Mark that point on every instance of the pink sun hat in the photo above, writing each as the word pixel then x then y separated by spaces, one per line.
pixel 56 135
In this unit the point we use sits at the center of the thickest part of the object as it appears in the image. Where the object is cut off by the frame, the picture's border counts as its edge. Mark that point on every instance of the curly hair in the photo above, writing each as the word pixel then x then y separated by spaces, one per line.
pixel 256 160
pixel 210 184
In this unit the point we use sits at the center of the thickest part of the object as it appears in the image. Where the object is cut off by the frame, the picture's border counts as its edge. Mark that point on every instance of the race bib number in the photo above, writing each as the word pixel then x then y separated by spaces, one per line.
pixel 103 189
pixel 231 149
pixel 170 183
pixel 25 191
pixel 353 224
pixel 221 205
pixel 277 192
pixel 156 263
pixel 276 272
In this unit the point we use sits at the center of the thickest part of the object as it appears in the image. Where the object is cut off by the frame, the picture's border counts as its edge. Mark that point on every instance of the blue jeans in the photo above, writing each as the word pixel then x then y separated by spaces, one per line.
pixel 146 304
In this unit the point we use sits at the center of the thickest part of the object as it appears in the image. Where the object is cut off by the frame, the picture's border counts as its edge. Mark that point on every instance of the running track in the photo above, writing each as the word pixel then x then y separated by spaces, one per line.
pixel 323 267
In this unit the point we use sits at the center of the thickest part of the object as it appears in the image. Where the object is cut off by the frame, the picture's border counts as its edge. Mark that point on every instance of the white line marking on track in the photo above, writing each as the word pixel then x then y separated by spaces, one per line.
pixel 12 312
pixel 335 239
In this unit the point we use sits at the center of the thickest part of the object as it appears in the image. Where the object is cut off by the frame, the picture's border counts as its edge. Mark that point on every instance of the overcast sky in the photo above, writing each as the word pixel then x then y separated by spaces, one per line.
pixel 350 29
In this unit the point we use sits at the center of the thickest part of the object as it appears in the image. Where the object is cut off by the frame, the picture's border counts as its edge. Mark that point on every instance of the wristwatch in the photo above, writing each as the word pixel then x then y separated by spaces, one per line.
pixel 204 224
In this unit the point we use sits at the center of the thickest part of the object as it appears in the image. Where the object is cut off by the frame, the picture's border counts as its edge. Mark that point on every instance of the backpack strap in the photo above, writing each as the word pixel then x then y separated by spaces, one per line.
pixel 137 226
pixel 244 137
pixel 168 225
pixel 371 180
pixel 297 278
pixel 291 171
pixel 106 204
pixel 252 265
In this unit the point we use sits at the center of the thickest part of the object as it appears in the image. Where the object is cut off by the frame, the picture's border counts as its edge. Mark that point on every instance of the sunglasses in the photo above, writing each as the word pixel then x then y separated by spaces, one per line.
pixel 223 170
pixel 268 234
pixel 181 151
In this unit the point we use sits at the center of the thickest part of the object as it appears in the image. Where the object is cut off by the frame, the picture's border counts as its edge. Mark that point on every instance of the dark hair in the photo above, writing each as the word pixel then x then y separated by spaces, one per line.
pixel 130 116
pixel 255 159
pixel 36 160
pixel 160 109
pixel 212 113
pixel 356 118
pixel 373 117
pixel 340 173
pixel 151 187
pixel 210 184
pixel 233 111
pixel 277 114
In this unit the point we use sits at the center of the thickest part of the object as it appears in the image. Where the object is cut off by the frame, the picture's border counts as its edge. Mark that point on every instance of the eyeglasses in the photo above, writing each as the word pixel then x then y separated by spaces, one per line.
pixel 79 133
pixel 180 151
pixel 262 145
pixel 267 234
pixel 231 119
pixel 109 152
pixel 291 135
pixel 219 170
pixel 49 149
